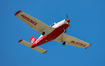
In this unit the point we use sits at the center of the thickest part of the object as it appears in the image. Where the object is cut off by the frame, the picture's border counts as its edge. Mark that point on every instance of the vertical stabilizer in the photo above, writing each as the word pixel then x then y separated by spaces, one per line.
pixel 33 39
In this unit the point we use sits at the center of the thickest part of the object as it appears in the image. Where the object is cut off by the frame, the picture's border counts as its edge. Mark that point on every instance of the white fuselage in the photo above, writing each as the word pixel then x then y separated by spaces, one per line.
pixel 54 25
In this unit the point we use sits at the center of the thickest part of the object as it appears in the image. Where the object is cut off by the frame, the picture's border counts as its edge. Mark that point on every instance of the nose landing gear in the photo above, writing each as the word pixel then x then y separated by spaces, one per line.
pixel 64 31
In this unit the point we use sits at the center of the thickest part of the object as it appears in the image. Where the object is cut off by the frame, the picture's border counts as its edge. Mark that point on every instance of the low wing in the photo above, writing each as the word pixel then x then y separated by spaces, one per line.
pixel 72 41
pixel 30 45
pixel 34 23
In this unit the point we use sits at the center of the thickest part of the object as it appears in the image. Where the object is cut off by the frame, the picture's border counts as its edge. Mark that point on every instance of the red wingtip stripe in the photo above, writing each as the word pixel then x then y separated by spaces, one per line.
pixel 20 40
pixel 88 46
pixel 45 52
pixel 17 12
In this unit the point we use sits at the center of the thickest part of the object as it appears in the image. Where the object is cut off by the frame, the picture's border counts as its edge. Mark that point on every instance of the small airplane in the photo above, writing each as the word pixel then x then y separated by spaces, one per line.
pixel 54 32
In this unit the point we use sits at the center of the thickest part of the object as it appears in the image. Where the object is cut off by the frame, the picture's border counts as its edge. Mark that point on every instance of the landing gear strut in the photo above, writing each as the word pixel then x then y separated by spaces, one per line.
pixel 64 31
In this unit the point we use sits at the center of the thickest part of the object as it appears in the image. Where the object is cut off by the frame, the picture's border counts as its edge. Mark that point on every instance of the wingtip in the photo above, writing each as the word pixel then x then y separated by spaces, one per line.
pixel 20 40
pixel 44 52
pixel 88 46
pixel 17 12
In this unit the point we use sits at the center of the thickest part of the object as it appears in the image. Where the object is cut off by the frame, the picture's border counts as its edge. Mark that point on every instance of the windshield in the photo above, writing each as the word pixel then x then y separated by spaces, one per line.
pixel 52 24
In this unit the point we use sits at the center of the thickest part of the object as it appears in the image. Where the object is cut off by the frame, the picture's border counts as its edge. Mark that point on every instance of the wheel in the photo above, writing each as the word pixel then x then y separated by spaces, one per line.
pixel 64 43
pixel 43 33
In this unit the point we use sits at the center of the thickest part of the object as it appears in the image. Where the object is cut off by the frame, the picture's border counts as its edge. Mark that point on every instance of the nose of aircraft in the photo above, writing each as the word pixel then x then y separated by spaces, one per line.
pixel 68 20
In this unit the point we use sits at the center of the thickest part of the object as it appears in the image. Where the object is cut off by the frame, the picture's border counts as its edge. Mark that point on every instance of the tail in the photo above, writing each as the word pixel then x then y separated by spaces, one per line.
pixel 30 45
pixel 33 39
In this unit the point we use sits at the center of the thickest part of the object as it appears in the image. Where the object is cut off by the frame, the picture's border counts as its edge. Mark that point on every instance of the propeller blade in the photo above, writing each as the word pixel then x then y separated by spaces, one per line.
pixel 67 16
pixel 69 24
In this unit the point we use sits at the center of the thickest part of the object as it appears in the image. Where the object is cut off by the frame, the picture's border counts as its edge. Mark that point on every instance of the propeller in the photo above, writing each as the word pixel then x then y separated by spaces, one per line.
pixel 68 20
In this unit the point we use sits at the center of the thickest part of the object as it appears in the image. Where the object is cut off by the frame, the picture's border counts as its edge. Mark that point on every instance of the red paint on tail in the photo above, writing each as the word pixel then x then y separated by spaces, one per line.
pixel 33 39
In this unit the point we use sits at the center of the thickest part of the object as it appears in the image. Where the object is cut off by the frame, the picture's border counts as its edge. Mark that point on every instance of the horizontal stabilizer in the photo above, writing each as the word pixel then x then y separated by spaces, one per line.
pixel 30 45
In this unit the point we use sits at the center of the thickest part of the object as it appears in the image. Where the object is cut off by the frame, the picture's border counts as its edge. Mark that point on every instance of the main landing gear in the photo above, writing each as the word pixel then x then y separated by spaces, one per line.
pixel 64 43
pixel 43 33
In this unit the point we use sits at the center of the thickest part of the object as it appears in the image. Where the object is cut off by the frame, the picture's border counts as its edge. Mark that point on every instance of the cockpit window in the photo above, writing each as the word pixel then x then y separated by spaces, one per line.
pixel 52 24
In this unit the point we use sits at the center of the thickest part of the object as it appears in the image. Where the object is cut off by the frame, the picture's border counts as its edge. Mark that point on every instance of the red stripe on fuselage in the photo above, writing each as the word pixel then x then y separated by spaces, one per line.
pixel 58 31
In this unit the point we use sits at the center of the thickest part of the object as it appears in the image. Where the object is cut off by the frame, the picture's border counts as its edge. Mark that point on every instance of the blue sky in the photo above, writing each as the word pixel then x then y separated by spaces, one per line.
pixel 87 23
